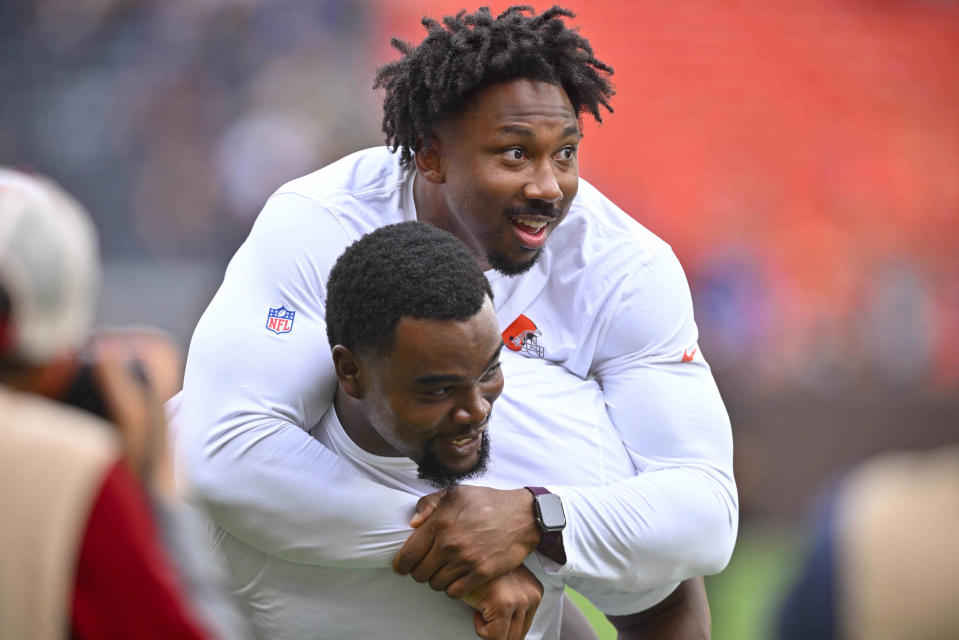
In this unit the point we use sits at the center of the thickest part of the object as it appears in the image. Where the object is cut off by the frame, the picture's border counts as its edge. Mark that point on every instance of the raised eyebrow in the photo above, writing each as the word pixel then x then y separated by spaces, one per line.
pixel 496 353
pixel 440 378
pixel 512 129
pixel 437 379
pixel 526 132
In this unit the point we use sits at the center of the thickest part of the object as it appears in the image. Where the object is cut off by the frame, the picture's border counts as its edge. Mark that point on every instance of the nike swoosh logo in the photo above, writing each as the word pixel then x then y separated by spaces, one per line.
pixel 688 356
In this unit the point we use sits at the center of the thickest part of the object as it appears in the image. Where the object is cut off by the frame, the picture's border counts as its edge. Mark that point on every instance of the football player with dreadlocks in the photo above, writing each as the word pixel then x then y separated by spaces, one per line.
pixel 483 127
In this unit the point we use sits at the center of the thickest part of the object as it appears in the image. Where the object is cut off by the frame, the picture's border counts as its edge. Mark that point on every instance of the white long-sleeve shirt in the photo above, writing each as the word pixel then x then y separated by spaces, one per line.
pixel 610 303
pixel 286 600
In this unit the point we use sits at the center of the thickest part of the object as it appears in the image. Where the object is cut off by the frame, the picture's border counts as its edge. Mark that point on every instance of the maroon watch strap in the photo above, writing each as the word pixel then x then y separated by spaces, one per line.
pixel 550 538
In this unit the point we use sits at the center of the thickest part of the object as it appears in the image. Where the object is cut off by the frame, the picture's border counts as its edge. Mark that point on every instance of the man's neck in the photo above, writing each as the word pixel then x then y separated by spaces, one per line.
pixel 356 425
pixel 431 208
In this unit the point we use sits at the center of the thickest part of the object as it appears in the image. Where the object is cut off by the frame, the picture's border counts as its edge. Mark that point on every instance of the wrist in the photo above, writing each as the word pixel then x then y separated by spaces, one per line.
pixel 530 534
pixel 549 516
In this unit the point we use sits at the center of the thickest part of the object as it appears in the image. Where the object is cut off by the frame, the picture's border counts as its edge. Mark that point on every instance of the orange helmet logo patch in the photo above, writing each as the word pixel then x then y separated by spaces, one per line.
pixel 522 335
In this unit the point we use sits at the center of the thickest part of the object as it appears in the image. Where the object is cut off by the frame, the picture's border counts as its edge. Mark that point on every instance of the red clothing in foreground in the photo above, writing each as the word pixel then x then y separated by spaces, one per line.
pixel 125 585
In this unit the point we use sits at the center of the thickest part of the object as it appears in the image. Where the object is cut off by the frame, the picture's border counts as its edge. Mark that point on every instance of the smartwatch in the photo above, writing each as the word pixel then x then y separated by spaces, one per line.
pixel 549 514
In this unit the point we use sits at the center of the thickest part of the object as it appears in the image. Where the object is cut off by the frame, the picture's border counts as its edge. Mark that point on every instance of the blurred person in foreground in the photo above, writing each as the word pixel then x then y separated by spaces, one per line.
pixel 81 441
pixel 485 116
pixel 883 562
pixel 81 554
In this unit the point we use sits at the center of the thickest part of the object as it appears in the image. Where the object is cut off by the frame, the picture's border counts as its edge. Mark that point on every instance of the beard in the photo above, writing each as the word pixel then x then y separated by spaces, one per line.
pixel 499 261
pixel 434 472
pixel 508 267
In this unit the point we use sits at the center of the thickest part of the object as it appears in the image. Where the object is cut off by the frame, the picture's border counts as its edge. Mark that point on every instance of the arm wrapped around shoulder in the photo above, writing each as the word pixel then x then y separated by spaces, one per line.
pixel 678 517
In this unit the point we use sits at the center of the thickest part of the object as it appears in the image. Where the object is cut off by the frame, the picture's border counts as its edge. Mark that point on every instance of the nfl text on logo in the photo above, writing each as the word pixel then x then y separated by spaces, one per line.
pixel 280 320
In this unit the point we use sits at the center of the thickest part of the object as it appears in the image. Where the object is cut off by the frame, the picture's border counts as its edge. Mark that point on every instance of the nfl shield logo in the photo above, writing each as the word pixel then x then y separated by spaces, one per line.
pixel 280 320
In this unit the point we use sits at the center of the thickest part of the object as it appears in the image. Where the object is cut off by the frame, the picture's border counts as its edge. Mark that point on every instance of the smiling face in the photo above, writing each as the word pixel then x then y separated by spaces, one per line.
pixel 430 397
pixel 503 173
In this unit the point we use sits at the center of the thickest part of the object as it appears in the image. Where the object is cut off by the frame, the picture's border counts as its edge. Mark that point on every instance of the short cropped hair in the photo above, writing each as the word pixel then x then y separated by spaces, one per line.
pixel 434 80
pixel 410 269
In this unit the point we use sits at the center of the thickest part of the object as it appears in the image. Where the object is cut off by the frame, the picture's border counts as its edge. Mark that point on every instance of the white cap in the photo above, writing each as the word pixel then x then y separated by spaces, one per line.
pixel 49 267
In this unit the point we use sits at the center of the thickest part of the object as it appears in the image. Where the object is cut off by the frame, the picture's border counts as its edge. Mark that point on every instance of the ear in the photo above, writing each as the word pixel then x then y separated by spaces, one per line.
pixel 349 371
pixel 429 161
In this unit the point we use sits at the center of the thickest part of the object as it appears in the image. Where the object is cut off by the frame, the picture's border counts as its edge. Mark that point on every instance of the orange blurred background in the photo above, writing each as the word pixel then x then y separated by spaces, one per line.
pixel 802 158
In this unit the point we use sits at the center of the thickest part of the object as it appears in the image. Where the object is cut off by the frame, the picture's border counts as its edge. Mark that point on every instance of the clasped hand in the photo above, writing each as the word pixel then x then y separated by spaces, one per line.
pixel 471 542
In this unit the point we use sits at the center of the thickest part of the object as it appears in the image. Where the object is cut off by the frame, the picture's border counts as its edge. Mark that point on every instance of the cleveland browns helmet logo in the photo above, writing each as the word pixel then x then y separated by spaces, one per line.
pixel 521 336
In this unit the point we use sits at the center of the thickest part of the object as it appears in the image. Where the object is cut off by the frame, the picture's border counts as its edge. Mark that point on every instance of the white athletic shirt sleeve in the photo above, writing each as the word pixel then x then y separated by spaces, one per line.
pixel 679 516
pixel 250 396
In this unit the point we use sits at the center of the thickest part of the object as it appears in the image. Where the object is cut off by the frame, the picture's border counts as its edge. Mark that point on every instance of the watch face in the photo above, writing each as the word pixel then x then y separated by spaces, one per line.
pixel 551 512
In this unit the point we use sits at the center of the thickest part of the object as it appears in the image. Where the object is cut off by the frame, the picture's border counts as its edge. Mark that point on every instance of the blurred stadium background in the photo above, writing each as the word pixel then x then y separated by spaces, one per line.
pixel 802 158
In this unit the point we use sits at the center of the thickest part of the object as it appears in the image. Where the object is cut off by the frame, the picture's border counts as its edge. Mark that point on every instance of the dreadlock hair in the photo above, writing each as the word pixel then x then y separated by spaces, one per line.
pixel 468 52
pixel 410 269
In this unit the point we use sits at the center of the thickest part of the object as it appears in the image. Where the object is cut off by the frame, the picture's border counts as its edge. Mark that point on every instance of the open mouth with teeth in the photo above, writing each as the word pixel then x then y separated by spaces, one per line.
pixel 531 230
pixel 530 224
pixel 464 446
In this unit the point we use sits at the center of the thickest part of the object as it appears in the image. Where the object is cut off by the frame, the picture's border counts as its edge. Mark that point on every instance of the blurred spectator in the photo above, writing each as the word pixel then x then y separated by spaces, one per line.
pixel 146 110
pixel 80 548
pixel 883 563
pixel 261 151
pixel 900 323
pixel 732 299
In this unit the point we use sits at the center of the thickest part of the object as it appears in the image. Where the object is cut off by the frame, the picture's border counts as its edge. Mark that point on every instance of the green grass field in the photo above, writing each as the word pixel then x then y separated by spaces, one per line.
pixel 742 598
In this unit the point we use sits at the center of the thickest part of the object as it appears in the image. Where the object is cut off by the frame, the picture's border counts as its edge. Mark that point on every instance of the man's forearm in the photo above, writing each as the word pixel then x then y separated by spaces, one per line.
pixel 654 529
pixel 683 615
pixel 256 493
